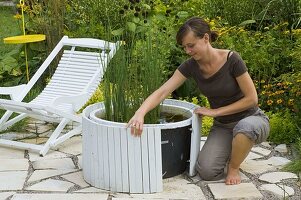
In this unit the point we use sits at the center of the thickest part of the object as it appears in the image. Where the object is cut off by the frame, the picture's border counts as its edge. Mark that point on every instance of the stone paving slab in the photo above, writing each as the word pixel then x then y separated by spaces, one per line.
pixel 4 195
pixel 63 163
pixel 277 177
pixel 277 161
pixel 10 153
pixel 280 191
pixel 72 146
pixel 91 190
pixel 266 144
pixel 142 198
pixel 281 148
pixel 40 140
pixel 14 180
pixel 50 155
pixel 175 188
pixel 242 176
pixel 14 164
pixel 76 178
pixel 253 156
pixel 51 185
pixel 256 166
pixel 60 197
pixel 229 192
pixel 43 174
pixel 261 150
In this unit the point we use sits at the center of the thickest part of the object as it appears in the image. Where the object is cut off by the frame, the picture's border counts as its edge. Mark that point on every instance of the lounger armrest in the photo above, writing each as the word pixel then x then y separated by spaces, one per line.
pixel 77 101
pixel 13 92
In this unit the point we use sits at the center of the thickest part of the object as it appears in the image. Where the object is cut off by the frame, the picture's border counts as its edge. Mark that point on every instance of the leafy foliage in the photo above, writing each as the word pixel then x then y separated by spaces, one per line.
pixel 283 128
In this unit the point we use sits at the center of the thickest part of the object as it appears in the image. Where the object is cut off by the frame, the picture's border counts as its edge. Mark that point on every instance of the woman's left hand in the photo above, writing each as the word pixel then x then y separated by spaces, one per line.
pixel 206 111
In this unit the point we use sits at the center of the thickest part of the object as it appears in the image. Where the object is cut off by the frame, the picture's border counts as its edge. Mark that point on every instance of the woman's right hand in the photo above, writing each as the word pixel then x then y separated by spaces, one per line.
pixel 136 124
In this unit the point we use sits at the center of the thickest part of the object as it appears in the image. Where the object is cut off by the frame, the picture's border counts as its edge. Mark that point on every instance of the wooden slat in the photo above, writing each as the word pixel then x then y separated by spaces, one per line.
pixel 81 60
pixel 117 157
pixel 60 77
pixel 92 158
pixel 74 74
pixel 84 57
pixel 67 90
pixel 152 159
pixel 131 162
pixel 70 76
pixel 158 155
pixel 106 167
pixel 81 52
pixel 124 161
pixel 89 157
pixel 66 81
pixel 83 70
pixel 56 82
pixel 145 162
pixel 85 146
pixel 138 163
pixel 71 86
pixel 135 175
pixel 112 166
pixel 100 160
pixel 94 155
pixel 79 65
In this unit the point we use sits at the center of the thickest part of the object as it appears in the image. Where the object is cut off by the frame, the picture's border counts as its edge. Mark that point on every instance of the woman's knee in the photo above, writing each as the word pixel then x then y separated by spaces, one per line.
pixel 209 171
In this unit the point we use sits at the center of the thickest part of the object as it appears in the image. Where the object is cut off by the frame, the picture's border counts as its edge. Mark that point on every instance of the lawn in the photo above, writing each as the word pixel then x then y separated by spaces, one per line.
pixel 9 27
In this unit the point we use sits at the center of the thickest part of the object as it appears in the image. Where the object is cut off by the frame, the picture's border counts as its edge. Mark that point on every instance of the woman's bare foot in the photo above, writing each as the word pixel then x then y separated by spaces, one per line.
pixel 233 177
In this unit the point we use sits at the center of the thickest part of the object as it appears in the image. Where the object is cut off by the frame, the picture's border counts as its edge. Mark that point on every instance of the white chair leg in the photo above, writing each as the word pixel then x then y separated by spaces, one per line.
pixel 13 121
pixel 54 136
pixel 63 138
pixel 4 118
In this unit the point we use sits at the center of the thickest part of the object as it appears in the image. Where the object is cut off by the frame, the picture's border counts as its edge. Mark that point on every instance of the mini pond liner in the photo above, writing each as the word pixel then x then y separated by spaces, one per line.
pixel 115 160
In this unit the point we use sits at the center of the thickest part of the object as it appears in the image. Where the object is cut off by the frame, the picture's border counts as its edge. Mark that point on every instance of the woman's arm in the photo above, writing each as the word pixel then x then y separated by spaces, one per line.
pixel 136 122
pixel 249 100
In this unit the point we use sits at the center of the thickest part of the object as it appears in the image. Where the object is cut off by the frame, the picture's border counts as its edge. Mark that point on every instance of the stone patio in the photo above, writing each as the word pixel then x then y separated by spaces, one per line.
pixel 27 176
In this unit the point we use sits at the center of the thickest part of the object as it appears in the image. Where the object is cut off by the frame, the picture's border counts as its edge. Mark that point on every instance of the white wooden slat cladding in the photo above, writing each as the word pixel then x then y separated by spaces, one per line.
pixel 122 163
pixel 125 163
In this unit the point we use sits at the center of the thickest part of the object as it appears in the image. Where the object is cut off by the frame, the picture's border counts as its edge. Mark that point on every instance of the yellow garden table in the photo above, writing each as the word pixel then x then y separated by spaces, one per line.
pixel 24 39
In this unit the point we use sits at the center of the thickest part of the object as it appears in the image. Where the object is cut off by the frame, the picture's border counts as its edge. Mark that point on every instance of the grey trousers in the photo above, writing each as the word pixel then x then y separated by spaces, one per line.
pixel 215 154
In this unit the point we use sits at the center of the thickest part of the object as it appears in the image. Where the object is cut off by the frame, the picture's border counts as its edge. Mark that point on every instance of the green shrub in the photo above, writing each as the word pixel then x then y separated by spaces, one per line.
pixel 283 128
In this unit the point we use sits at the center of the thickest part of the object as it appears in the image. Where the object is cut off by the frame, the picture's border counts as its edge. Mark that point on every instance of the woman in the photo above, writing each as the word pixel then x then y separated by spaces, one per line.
pixel 222 77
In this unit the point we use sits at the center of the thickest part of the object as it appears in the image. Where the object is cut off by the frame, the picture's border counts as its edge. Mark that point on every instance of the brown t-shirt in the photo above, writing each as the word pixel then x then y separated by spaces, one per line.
pixel 221 88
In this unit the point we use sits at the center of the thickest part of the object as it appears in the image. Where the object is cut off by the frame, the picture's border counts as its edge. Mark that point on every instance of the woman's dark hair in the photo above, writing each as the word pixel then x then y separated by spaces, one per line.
pixel 198 26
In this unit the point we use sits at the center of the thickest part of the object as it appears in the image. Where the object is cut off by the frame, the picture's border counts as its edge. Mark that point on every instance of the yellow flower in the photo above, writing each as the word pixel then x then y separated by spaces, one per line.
pixel 279 101
pixel 195 100
pixel 290 102
pixel 211 23
pixel 270 102
pixel 263 92
pixel 18 16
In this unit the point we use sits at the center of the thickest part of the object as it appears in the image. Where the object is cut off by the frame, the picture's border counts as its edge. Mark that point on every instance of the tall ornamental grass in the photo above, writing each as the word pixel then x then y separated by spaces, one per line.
pixel 132 75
